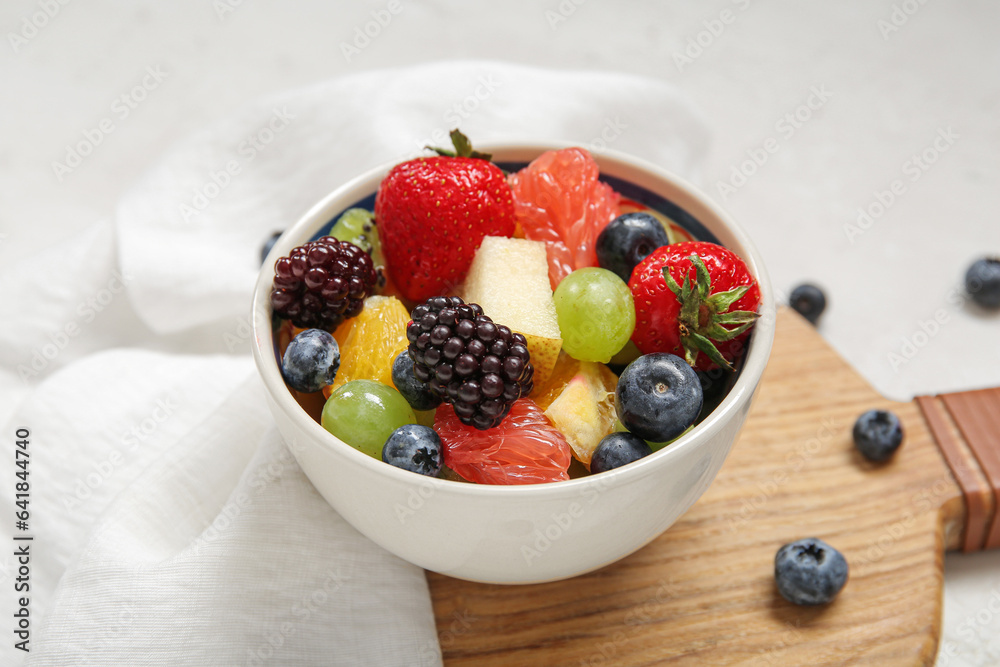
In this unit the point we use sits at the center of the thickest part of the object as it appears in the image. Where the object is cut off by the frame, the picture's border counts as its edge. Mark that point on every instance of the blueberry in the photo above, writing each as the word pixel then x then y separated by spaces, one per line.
pixel 982 282
pixel 658 397
pixel 616 450
pixel 265 249
pixel 809 301
pixel 311 361
pixel 413 390
pixel 878 434
pixel 627 240
pixel 415 448
pixel 809 571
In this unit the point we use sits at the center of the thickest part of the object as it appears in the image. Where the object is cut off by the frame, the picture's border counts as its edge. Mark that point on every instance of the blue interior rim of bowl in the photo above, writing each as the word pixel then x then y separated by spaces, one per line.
pixel 625 188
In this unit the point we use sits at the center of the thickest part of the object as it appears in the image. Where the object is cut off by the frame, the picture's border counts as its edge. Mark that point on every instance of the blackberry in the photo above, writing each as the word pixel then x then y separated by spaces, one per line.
pixel 322 283
pixel 476 365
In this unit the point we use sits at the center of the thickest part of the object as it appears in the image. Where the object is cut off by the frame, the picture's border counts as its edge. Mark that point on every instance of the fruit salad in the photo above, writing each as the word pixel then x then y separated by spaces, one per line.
pixel 509 328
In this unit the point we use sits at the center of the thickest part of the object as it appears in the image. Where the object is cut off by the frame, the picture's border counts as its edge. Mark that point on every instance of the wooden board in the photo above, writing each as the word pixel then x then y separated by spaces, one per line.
pixel 703 592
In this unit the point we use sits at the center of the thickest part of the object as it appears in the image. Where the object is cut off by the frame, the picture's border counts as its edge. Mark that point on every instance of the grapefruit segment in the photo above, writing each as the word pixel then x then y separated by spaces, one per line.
pixel 558 199
pixel 524 449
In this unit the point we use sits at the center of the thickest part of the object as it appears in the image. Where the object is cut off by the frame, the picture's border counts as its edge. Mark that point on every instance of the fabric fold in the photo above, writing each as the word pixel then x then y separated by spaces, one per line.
pixel 191 229
pixel 222 550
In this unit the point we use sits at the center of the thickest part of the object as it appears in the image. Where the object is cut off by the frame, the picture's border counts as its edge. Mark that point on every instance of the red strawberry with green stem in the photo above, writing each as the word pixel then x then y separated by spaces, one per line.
pixel 433 213
pixel 696 300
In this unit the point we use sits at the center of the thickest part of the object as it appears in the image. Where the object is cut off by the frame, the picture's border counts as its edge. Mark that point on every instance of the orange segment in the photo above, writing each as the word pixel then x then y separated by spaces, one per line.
pixel 370 342
pixel 564 370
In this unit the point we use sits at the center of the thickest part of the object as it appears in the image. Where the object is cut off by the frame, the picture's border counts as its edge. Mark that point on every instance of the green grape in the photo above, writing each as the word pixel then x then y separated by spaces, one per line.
pixel 357 226
pixel 364 413
pixel 596 314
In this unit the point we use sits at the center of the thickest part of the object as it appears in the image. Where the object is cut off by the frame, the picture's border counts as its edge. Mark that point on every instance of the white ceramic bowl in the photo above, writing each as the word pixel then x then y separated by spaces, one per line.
pixel 532 533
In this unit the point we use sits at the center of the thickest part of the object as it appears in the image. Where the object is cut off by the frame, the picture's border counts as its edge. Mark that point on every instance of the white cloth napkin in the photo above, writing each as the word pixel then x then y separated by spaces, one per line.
pixel 192 265
pixel 171 524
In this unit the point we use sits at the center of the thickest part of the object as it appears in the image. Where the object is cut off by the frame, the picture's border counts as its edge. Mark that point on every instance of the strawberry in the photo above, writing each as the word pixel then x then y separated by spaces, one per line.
pixel 696 300
pixel 432 214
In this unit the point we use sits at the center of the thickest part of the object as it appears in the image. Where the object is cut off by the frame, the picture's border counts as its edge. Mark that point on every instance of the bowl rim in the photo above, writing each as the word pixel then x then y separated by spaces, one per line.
pixel 366 183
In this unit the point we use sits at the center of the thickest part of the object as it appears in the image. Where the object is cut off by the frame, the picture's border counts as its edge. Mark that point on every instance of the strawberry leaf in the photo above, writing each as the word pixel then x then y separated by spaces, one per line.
pixel 704 279
pixel 723 301
pixel 720 334
pixel 737 317
pixel 695 342
pixel 463 147
pixel 704 316
pixel 671 283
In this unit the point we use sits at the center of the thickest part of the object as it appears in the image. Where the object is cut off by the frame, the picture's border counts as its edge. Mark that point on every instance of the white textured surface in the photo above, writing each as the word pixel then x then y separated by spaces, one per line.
pixel 889 96
pixel 194 538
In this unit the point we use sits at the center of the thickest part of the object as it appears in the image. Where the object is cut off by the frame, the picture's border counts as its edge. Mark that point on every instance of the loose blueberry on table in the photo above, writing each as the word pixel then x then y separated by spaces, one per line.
pixel 597 279
pixel 808 301
pixel 809 572
pixel 878 434
pixel 982 282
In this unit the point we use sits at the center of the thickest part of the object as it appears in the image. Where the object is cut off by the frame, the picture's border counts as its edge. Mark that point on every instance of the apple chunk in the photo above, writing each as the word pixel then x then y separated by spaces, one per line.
pixel 509 278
